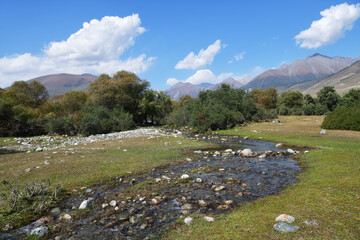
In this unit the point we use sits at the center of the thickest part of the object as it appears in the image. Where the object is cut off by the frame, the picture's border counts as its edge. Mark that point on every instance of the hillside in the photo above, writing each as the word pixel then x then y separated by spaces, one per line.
pixel 60 83
pixel 314 67
pixel 343 81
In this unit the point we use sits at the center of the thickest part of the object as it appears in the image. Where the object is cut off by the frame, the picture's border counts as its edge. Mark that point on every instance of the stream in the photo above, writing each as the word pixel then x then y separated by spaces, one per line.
pixel 146 206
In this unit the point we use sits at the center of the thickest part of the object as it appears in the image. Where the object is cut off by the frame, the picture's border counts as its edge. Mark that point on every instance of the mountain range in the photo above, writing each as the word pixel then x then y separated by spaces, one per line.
pixel 316 66
pixel 306 75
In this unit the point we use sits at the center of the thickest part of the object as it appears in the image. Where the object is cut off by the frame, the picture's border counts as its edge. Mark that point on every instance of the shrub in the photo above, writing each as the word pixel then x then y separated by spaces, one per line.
pixel 343 118
pixel 61 125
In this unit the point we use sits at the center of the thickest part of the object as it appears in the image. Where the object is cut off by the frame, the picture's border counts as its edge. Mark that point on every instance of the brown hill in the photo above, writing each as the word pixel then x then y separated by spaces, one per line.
pixel 342 81
pixel 313 67
pixel 61 83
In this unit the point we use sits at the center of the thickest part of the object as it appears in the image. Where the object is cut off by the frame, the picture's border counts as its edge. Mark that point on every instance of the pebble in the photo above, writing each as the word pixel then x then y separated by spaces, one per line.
pixel 104 205
pixel 65 216
pixel 278 145
pixel 219 188
pixel 228 150
pixel 188 159
pixel 55 212
pixel 84 204
pixel 39 231
pixel 290 151
pixel 285 218
pixel 113 203
pixel 247 152
pixel 284 227
pixel 311 223
pixel 158 180
pixel 198 180
pixel 27 170
pixel 209 219
pixel 88 190
pixel 185 176
pixel 202 203
pixel 155 201
pixel 186 206
pixel 188 220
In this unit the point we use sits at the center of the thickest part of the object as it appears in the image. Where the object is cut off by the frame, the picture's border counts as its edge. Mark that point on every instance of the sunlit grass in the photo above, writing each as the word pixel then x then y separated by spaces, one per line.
pixel 327 192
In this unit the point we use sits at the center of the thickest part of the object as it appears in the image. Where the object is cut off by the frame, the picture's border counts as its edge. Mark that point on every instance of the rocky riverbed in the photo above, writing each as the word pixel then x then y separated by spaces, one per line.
pixel 145 206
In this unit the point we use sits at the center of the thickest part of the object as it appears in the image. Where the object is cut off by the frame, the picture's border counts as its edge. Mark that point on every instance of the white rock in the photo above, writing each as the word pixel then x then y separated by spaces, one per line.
pixel 185 176
pixel 306 151
pixel 39 149
pixel 104 205
pixel 165 177
pixel 116 208
pixel 198 151
pixel 228 150
pixel 262 156
pixel 155 201
pixel 278 145
pixel 113 203
pixel 46 162
pixel 202 203
pixel 247 152
pixel 65 216
pixel 188 159
pixel 199 180
pixel 219 188
pixel 39 231
pixel 290 151
pixel 158 180
pixel 209 219
pixel 84 204
pixel 27 170
pixel 188 220
pixel 285 218
pixel 186 206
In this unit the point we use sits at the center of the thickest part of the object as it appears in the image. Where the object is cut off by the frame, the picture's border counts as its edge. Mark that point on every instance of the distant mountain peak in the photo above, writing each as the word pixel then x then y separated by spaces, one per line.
pixel 319 55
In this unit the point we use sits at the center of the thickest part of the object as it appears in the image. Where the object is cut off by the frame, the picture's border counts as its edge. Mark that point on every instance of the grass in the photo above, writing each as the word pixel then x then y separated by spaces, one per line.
pixel 328 190
pixel 91 164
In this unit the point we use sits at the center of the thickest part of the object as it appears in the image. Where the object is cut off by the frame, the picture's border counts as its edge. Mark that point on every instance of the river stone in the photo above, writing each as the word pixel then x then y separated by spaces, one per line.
pixel 188 220
pixel 199 180
pixel 228 150
pixel 104 205
pixel 39 231
pixel 285 218
pixel 186 206
pixel 165 177
pixel 55 212
pixel 155 201
pixel 278 145
pixel 185 176
pixel 284 227
pixel 247 152
pixel 202 203
pixel 228 202
pixel 188 159
pixel 113 203
pixel 209 219
pixel 290 151
pixel 84 204
pixel 65 216
pixel 219 188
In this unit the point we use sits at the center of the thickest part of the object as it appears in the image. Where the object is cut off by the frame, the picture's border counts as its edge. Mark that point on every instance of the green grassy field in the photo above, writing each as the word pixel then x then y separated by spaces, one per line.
pixel 87 165
pixel 328 191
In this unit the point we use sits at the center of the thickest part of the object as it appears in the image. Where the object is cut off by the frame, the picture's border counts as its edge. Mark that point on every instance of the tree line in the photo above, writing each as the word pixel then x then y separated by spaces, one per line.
pixel 122 101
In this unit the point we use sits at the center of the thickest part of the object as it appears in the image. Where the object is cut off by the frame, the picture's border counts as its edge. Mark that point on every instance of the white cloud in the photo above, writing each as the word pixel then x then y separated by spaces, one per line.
pixel 95 48
pixel 205 57
pixel 207 76
pixel 331 27
pixel 240 56
pixel 172 81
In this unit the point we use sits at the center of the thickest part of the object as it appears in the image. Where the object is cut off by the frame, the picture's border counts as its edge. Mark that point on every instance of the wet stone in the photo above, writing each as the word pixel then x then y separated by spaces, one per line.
pixel 284 227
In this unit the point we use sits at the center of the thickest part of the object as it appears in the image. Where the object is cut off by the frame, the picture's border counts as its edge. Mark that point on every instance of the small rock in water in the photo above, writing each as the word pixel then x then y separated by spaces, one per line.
pixel 113 203
pixel 188 159
pixel 199 180
pixel 202 203
pixel 165 177
pixel 39 231
pixel 285 218
pixel 284 227
pixel 188 220
pixel 198 151
pixel 88 190
pixel 228 150
pixel 228 202
pixel 104 205
pixel 155 201
pixel 278 145
pixel 290 151
pixel 247 152
pixel 185 176
pixel 65 216
pixel 186 206
pixel 209 219
pixel 84 204
pixel 219 188
pixel 306 151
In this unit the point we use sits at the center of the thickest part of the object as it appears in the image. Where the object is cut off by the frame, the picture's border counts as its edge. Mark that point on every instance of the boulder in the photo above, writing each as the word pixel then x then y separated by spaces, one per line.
pixel 188 220
pixel 285 218
pixel 39 231
pixel 247 153
pixel 284 227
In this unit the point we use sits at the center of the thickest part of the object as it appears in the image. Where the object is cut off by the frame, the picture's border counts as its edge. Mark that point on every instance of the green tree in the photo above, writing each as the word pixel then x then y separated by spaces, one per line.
pixel 31 94
pixel 328 97
pixel 291 99
pixel 265 97
pixel 73 101
pixel 351 98
pixel 123 90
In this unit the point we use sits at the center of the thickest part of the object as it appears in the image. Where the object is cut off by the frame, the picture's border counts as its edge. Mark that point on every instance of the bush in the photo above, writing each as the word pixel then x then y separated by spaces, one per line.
pixel 98 119
pixel 61 125
pixel 343 118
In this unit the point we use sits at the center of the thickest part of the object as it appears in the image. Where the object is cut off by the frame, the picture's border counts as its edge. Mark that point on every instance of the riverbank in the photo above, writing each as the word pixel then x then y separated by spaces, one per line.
pixel 327 192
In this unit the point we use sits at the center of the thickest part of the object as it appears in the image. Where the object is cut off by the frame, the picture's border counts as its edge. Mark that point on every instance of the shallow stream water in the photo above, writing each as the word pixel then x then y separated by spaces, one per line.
pixel 150 204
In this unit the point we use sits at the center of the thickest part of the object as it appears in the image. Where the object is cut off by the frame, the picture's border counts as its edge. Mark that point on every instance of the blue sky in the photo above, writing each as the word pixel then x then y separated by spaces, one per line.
pixel 170 41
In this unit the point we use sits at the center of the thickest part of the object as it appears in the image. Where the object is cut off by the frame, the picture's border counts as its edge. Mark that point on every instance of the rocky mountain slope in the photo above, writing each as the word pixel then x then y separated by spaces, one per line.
pixel 60 83
pixel 313 67
pixel 343 81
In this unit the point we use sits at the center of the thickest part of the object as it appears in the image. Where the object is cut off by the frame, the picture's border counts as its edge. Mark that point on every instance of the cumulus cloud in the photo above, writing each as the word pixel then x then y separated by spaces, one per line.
pixel 207 76
pixel 203 58
pixel 331 27
pixel 95 48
